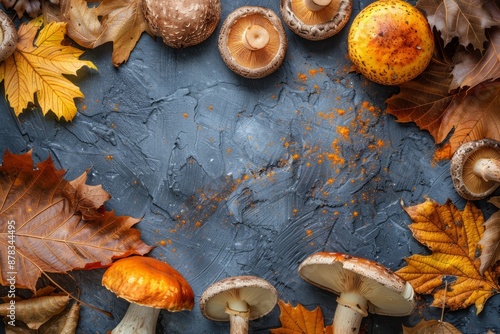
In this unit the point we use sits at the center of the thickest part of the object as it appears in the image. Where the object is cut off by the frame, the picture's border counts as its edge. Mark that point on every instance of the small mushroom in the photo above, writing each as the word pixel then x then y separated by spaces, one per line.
pixel 252 41
pixel 475 169
pixel 149 285
pixel 362 285
pixel 8 36
pixel 182 23
pixel 237 300
pixel 316 19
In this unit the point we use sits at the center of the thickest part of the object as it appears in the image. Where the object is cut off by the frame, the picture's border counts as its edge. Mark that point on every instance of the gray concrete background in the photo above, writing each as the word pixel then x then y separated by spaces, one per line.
pixel 233 176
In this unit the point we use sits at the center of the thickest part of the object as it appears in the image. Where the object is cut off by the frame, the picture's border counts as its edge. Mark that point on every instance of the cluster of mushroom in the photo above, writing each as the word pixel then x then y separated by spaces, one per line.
pixel 252 40
pixel 150 285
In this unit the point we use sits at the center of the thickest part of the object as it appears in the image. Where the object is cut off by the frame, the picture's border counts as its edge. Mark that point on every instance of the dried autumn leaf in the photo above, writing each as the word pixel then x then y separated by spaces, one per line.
pixel 472 68
pixel 32 7
pixel 38 68
pixel 491 239
pixel 465 19
pixel 64 323
pixel 299 320
pixel 453 237
pixel 48 231
pixel 431 327
pixel 121 22
pixel 426 101
pixel 36 311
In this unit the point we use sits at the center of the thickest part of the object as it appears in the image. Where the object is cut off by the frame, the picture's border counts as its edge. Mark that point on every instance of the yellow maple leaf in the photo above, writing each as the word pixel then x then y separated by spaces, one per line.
pixel 452 236
pixel 38 68
pixel 299 320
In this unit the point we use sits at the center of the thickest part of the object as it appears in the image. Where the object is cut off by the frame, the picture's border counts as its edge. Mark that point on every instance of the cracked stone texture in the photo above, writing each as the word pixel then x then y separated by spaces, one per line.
pixel 233 176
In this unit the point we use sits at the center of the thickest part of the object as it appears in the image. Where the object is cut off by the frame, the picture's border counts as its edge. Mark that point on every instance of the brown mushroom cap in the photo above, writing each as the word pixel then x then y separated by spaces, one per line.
pixel 386 293
pixel 149 282
pixel 8 36
pixel 260 296
pixel 182 23
pixel 467 184
pixel 245 61
pixel 318 24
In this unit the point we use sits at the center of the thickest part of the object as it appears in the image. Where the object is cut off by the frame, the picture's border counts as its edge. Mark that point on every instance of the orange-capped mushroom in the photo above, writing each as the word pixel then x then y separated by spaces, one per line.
pixel 149 285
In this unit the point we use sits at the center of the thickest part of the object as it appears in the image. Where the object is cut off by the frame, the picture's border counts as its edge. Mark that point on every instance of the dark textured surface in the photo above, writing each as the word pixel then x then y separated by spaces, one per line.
pixel 234 176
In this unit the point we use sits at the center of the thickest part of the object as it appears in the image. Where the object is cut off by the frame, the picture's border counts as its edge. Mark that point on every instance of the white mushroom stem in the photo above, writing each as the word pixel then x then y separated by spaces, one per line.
pixel 488 169
pixel 138 320
pixel 316 5
pixel 351 309
pixel 239 315
pixel 255 37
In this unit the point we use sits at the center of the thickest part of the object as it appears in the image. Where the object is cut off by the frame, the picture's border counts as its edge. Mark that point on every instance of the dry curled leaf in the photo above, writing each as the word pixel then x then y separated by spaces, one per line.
pixel 431 327
pixel 37 68
pixel 34 312
pixel 31 7
pixel 63 323
pixel 452 236
pixel 43 229
pixel 299 320
pixel 491 239
pixel 465 19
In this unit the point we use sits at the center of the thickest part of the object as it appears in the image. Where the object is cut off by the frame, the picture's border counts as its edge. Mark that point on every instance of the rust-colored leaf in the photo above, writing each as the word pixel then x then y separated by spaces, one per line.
pixel 452 236
pixel 491 239
pixel 43 229
pixel 431 327
pixel 36 311
pixel 299 320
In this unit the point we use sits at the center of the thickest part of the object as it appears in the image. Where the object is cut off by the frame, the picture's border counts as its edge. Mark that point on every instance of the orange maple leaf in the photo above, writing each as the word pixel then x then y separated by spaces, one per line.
pixel 452 236
pixel 51 225
pixel 299 320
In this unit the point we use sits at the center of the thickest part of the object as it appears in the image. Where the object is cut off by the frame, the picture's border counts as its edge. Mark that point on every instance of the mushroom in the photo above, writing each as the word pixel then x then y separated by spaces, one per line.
pixel 390 42
pixel 316 19
pixel 182 23
pixel 238 299
pixel 149 285
pixel 8 36
pixel 362 285
pixel 475 169
pixel 252 41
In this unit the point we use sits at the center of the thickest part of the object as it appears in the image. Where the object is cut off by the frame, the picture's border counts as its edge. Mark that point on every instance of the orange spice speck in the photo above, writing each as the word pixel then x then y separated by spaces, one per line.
pixel 163 243
pixel 355 213
pixel 185 115
pixel 309 232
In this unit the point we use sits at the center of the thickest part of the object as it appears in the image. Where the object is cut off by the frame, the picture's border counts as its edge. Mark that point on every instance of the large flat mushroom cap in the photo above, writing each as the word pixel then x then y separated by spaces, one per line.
pixel 182 23
pixel 149 282
pixel 387 293
pixel 316 25
pixel 252 64
pixel 466 183
pixel 260 296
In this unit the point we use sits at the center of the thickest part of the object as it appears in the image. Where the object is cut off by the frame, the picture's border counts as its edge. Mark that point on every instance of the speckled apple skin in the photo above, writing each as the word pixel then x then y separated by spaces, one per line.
pixel 390 42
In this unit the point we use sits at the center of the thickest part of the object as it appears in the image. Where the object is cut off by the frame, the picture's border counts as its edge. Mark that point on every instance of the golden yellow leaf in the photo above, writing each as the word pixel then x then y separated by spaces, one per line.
pixel 431 327
pixel 452 236
pixel 36 69
pixel 299 320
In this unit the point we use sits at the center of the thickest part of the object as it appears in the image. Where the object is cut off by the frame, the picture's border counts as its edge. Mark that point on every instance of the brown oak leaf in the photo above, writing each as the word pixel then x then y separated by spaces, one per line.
pixel 465 19
pixel 51 225
pixel 31 7
pixel 491 238
pixel 431 327
pixel 452 236
pixel 299 320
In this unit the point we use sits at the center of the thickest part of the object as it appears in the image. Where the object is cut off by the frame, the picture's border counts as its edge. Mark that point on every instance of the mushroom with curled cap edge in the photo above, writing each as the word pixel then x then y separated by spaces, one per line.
pixel 363 287
pixel 316 19
pixel 238 300
pixel 475 169
pixel 149 285
pixel 8 36
pixel 252 41
pixel 182 23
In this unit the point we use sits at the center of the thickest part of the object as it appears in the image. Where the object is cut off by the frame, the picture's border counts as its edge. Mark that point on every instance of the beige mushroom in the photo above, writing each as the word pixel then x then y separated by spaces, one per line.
pixel 475 169
pixel 238 300
pixel 8 36
pixel 363 287
pixel 316 19
pixel 252 41
pixel 182 23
